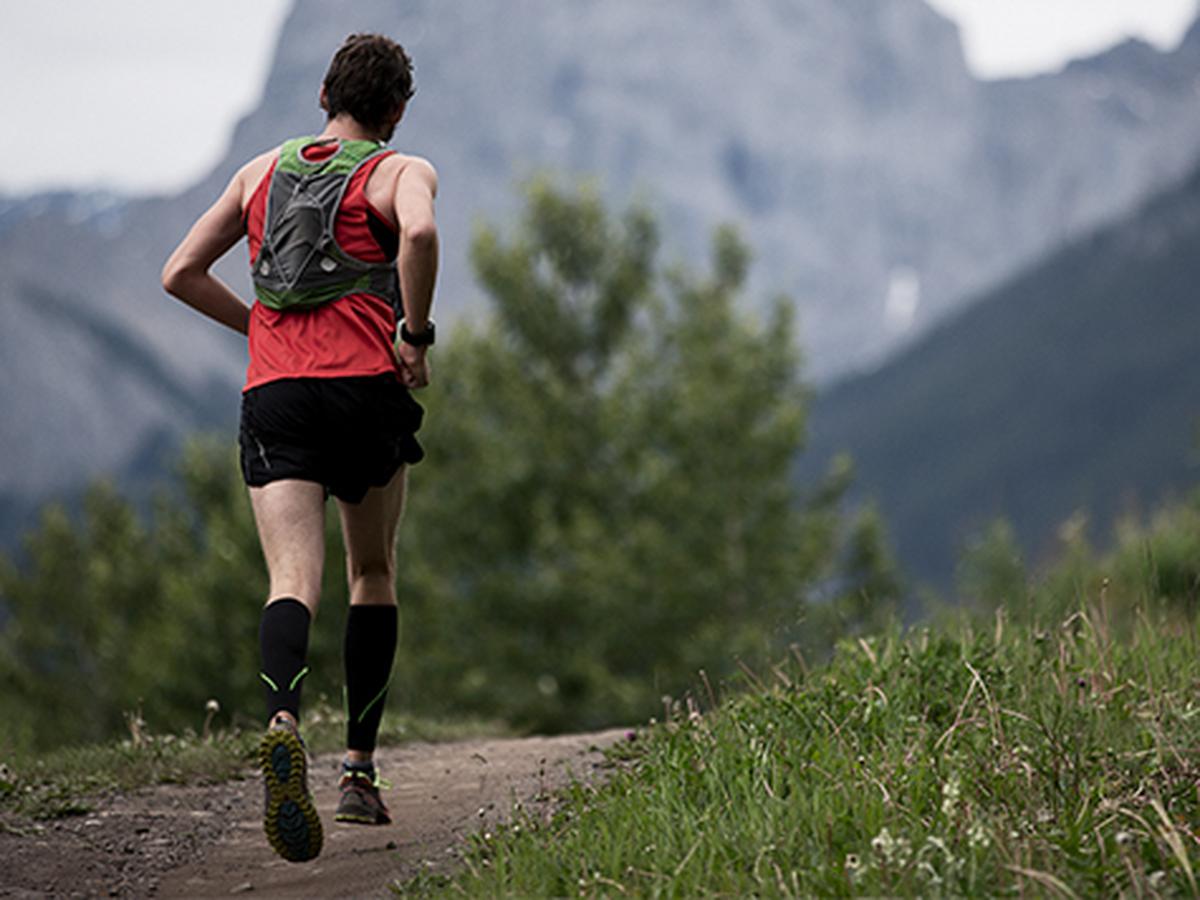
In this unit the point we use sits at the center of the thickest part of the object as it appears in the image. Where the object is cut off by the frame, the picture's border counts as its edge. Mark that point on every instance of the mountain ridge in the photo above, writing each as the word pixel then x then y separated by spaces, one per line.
pixel 1067 390
pixel 878 183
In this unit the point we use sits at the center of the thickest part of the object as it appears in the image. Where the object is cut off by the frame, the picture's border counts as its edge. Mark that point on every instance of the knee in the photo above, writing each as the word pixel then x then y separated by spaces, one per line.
pixel 369 570
pixel 372 582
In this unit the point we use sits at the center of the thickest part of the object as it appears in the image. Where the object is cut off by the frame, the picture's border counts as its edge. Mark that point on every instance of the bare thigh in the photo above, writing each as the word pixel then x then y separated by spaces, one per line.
pixel 369 532
pixel 290 515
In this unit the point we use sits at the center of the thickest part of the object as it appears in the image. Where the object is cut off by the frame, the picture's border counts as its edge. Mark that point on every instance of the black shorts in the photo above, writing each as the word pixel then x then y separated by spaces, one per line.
pixel 348 434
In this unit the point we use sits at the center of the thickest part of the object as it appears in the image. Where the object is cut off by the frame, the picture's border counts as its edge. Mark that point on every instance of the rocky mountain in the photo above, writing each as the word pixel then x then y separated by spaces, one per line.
pixel 877 181
pixel 1071 390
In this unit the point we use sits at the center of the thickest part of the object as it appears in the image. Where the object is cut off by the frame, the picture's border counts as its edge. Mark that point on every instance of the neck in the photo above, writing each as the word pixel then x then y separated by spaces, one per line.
pixel 349 129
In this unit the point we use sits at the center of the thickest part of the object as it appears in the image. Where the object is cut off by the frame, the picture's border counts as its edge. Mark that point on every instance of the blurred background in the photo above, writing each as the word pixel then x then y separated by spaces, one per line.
pixel 760 317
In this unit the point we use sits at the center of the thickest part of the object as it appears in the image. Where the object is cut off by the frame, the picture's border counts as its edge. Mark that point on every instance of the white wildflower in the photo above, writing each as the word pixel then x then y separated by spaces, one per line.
pixel 930 873
pixel 951 791
pixel 977 837
pixel 893 851
pixel 934 843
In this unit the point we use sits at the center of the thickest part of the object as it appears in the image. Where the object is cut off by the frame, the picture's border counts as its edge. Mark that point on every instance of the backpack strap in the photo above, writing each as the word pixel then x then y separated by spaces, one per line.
pixel 300 264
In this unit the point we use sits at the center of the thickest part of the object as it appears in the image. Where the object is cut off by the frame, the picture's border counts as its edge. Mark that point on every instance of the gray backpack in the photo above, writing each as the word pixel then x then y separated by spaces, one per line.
pixel 300 264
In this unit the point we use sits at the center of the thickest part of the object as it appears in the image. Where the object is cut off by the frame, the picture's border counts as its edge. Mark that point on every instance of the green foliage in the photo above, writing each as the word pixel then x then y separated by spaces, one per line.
pixel 870 588
pixel 1009 761
pixel 991 572
pixel 608 504
pixel 1162 560
pixel 1152 567
pixel 118 612
pixel 66 781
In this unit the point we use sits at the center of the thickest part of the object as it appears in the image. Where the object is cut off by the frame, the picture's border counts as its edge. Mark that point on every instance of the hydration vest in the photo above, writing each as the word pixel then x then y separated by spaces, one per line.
pixel 300 264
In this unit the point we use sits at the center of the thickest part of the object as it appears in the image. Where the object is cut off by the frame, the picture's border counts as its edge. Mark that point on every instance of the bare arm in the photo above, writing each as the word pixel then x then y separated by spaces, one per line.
pixel 416 189
pixel 186 274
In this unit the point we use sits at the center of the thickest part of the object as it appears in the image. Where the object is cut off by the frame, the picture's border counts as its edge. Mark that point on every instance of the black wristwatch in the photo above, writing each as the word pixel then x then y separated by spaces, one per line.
pixel 424 339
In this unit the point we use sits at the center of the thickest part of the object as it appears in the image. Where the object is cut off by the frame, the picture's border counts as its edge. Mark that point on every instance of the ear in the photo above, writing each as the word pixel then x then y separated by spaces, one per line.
pixel 399 114
pixel 324 99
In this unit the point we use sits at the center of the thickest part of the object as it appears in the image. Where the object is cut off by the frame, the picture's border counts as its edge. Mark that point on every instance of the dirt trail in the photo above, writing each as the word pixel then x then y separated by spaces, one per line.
pixel 208 841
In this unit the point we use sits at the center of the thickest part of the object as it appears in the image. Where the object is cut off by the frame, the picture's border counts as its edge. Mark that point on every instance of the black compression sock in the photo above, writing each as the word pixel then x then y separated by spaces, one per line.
pixel 370 650
pixel 283 640
pixel 367 768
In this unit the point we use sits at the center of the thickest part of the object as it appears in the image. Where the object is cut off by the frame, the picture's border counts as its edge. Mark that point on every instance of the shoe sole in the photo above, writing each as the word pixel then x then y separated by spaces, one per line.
pixel 290 819
pixel 361 819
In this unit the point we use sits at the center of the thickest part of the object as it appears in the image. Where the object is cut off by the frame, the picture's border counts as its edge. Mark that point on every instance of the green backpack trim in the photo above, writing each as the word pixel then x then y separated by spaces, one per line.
pixel 300 264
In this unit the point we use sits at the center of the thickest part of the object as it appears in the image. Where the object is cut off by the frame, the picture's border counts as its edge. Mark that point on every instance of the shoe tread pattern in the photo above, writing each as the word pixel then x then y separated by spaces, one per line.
pixel 290 818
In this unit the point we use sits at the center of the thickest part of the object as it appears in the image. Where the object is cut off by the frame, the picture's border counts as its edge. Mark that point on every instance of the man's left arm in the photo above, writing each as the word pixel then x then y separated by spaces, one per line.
pixel 186 274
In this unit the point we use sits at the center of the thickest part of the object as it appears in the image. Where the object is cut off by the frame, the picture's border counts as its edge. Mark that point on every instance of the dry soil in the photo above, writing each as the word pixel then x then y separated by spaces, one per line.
pixel 208 842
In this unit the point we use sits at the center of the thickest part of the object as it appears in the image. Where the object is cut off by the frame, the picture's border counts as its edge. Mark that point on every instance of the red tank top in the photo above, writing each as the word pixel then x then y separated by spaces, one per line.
pixel 350 336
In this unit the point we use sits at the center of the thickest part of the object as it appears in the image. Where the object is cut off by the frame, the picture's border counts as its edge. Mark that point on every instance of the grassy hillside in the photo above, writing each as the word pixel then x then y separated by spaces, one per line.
pixel 1050 750
pixel 1072 387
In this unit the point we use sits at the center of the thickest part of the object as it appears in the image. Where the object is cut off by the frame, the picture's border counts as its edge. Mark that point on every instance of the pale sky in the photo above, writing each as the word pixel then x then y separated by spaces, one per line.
pixel 100 87
pixel 1004 38
pixel 131 95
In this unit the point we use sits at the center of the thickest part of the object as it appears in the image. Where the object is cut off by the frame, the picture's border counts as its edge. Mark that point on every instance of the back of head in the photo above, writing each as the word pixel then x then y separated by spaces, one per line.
pixel 370 78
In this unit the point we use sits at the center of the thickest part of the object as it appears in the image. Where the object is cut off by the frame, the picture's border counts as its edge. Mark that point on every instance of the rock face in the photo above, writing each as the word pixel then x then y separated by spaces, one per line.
pixel 879 184
pixel 1068 393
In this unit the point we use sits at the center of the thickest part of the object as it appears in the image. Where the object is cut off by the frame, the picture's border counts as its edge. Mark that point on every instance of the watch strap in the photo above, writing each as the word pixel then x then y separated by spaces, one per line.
pixel 422 339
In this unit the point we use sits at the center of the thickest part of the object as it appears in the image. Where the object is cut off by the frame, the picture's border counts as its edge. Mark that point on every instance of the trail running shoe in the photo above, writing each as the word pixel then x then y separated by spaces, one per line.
pixel 290 817
pixel 360 801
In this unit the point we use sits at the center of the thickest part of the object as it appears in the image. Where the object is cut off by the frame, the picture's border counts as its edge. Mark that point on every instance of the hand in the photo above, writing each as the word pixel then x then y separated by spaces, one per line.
pixel 414 365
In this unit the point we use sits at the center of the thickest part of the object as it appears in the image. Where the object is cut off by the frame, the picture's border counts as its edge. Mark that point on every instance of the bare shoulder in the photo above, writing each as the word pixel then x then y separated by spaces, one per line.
pixel 260 163
pixel 402 166
pixel 420 167
pixel 250 174
pixel 400 183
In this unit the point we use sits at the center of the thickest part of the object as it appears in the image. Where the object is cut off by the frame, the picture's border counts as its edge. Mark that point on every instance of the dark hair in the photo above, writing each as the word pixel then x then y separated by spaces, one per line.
pixel 369 78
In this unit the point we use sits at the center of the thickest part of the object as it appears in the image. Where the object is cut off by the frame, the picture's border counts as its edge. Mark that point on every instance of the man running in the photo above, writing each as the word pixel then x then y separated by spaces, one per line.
pixel 342 243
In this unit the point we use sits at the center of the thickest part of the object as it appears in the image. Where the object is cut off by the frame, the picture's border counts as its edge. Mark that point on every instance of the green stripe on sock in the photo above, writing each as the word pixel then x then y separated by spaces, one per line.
pixel 378 697
pixel 296 680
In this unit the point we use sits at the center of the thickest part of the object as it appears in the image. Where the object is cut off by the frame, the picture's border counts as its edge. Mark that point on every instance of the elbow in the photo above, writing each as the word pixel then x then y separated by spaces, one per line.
pixel 172 277
pixel 421 235
pixel 168 282
pixel 178 275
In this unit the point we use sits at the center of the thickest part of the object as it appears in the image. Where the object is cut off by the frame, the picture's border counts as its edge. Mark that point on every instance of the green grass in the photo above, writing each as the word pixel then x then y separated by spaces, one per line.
pixel 1013 760
pixel 70 780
